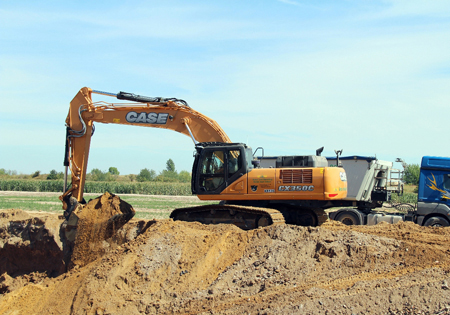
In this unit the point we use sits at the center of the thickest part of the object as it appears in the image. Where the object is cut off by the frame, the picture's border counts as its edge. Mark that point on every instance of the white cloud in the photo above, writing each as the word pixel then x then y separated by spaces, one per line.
pixel 289 2
pixel 435 8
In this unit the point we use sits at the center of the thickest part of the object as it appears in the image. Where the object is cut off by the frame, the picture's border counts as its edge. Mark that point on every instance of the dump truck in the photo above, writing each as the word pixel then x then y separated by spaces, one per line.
pixel 371 183
pixel 297 191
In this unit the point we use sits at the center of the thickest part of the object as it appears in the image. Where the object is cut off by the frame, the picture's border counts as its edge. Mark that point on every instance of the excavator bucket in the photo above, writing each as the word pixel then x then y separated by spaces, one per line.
pixel 102 216
pixel 89 225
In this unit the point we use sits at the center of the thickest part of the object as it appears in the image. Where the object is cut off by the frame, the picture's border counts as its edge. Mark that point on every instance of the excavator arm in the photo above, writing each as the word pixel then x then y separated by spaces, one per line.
pixel 156 112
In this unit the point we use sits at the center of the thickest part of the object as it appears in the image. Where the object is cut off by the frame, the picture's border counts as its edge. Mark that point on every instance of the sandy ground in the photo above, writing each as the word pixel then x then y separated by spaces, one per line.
pixel 166 267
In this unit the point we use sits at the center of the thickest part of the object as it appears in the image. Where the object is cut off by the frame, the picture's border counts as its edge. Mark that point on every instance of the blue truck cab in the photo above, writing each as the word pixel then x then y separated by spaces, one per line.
pixel 433 204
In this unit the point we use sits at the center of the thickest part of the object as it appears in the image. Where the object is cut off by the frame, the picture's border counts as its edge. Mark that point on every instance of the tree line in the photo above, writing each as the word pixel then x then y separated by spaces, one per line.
pixel 169 174
pixel 145 175
pixel 411 175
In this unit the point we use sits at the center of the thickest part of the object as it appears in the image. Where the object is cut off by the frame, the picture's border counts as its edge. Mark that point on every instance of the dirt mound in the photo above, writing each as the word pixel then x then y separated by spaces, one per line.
pixel 97 222
pixel 169 267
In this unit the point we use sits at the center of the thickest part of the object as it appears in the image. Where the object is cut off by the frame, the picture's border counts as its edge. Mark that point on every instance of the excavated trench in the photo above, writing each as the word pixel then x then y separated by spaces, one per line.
pixel 36 244
pixel 173 267
pixel 29 244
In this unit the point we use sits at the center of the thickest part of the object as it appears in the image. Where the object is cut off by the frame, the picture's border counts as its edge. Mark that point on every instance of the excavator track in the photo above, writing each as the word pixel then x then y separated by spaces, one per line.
pixel 322 216
pixel 304 216
pixel 244 217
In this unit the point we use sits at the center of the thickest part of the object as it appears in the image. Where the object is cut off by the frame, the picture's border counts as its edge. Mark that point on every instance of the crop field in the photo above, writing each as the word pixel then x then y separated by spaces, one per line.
pixel 147 188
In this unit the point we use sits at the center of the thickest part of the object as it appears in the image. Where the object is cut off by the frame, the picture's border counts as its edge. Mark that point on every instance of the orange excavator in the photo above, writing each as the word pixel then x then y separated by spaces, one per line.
pixel 296 191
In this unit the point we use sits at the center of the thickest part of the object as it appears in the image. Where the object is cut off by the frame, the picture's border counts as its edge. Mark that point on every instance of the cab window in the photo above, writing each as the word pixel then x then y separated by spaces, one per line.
pixel 212 170
pixel 447 181
pixel 234 162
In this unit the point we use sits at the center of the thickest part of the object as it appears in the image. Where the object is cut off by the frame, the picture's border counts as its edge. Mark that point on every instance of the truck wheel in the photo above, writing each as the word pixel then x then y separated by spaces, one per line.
pixel 436 221
pixel 348 218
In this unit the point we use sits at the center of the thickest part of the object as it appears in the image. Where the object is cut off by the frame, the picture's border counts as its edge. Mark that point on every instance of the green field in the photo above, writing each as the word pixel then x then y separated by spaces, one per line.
pixel 147 207
pixel 146 188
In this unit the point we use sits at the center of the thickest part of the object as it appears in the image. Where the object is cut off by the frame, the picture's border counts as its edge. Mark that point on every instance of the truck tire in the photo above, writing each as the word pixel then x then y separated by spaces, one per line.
pixel 436 221
pixel 348 218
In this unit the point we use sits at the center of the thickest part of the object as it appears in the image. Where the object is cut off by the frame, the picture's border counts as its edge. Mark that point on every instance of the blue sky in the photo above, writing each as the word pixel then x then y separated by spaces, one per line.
pixel 368 77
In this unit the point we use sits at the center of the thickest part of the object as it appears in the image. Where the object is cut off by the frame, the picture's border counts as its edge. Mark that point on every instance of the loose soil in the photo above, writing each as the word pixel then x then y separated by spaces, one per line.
pixel 167 267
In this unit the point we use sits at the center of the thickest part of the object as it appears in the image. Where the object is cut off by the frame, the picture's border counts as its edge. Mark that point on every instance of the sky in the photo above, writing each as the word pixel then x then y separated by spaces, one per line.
pixel 369 77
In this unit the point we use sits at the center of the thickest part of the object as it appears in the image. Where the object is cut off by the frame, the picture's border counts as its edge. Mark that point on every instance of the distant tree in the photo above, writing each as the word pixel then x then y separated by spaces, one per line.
pixel 184 177
pixel 167 176
pixel 113 171
pixel 412 172
pixel 55 175
pixel 7 172
pixel 132 177
pixel 146 175
pixel 96 175
pixel 100 176
pixel 170 165
pixel 36 174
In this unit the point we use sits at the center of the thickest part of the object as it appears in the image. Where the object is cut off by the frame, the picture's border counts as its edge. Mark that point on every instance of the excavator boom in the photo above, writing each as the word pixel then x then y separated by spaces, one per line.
pixel 157 112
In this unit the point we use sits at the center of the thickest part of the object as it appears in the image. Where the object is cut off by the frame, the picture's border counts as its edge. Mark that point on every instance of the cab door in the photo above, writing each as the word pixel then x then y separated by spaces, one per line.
pixel 211 172
pixel 236 172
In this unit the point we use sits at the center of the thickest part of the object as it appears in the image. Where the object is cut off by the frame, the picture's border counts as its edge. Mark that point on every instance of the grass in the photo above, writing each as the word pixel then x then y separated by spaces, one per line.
pixel 409 195
pixel 146 207
pixel 410 188
pixel 406 198
pixel 31 203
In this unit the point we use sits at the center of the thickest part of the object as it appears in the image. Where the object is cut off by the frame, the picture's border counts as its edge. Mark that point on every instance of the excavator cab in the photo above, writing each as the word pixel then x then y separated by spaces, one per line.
pixel 217 165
